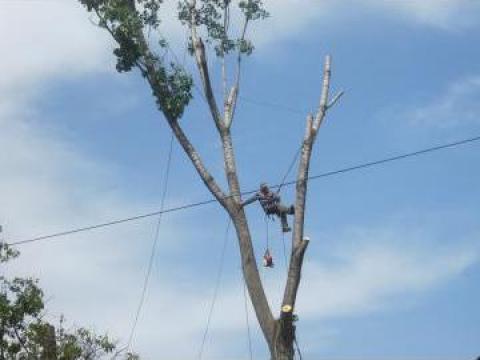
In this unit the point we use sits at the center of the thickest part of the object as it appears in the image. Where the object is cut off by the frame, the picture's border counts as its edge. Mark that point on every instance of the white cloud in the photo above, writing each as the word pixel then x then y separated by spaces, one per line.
pixel 44 39
pixel 458 105
pixel 370 277
pixel 446 14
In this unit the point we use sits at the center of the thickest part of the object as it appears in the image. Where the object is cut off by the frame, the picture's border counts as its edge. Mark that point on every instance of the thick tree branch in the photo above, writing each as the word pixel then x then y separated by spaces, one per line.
pixel 249 264
pixel 226 23
pixel 252 275
pixel 231 102
pixel 230 165
pixel 230 105
pixel 299 244
pixel 323 106
pixel 202 65
pixel 194 157
pixel 149 70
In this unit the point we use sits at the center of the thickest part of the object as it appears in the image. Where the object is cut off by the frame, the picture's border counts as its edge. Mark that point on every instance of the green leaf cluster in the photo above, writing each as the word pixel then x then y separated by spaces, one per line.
pixel 210 16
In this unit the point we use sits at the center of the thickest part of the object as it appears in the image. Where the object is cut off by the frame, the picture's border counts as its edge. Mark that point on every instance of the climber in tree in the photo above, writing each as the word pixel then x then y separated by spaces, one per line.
pixel 271 204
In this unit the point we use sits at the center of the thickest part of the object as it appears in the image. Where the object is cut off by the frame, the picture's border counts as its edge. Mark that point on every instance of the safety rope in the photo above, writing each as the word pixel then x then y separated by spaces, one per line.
pixel 290 167
pixel 154 245
pixel 215 292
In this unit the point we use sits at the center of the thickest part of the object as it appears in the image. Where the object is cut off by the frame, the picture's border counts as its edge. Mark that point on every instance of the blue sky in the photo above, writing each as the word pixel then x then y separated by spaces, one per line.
pixel 394 264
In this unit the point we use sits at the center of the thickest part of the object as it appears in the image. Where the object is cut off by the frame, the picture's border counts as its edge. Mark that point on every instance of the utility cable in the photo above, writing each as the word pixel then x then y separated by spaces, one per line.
pixel 215 292
pixel 210 201
pixel 154 245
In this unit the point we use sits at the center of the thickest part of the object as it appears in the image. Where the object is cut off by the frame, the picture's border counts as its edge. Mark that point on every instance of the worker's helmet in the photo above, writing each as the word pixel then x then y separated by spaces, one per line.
pixel 263 187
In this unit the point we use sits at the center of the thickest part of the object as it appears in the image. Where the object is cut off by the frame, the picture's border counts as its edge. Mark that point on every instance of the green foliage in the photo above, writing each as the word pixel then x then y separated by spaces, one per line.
pixel 129 20
pixel 211 17
pixel 7 253
pixel 126 23
pixel 253 9
pixel 83 344
pixel 175 82
pixel 24 334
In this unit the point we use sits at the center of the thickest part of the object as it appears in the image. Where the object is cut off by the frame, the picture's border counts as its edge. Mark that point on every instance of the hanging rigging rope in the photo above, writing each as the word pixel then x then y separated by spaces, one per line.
pixel 247 322
pixel 154 245
pixel 285 252
pixel 215 292
pixel 215 296
pixel 295 341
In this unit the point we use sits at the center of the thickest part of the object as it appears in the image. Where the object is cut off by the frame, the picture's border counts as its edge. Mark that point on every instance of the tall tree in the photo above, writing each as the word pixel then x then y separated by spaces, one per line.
pixel 208 22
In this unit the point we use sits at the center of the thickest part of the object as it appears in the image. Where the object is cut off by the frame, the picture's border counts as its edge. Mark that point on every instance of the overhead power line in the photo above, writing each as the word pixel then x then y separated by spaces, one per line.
pixel 210 201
